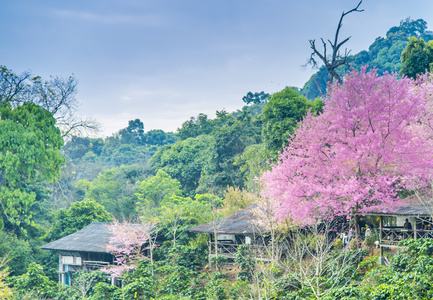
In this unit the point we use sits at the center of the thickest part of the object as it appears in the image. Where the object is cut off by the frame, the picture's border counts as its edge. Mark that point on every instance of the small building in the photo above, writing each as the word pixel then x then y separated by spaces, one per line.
pixel 417 210
pixel 82 250
pixel 240 228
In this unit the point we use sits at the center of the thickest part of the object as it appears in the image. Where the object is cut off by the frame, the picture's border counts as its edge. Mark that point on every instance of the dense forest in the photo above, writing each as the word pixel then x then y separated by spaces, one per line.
pixel 56 180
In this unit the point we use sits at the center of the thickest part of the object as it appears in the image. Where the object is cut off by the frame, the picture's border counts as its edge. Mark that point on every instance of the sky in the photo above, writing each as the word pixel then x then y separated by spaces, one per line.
pixel 164 61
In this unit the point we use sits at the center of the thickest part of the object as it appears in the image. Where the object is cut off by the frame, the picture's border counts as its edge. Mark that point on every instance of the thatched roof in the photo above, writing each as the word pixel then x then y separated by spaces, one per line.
pixel 92 238
pixel 414 205
pixel 242 222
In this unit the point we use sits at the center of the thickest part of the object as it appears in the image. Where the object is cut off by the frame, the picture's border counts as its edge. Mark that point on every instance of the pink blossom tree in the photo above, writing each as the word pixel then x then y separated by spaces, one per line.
pixel 371 141
pixel 127 246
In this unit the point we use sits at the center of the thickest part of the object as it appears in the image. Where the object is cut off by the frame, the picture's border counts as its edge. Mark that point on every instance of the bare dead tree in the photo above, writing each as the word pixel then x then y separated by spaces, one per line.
pixel 336 59
pixel 56 95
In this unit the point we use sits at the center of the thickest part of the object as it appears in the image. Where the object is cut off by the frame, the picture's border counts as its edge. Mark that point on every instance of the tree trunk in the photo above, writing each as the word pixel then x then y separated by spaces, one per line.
pixel 358 230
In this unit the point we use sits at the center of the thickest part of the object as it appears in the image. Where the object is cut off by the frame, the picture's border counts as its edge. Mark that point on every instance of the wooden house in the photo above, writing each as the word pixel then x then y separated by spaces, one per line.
pixel 83 250
pixel 228 233
pixel 417 210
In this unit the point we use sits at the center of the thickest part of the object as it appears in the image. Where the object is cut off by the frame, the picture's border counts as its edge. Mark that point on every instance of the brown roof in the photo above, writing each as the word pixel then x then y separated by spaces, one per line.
pixel 242 222
pixel 92 238
pixel 417 204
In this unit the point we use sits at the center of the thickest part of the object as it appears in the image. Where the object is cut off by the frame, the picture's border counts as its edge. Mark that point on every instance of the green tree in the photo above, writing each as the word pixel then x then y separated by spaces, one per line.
pixel 280 116
pixel 255 98
pixel 78 216
pixel 17 252
pixel 115 190
pixel 219 169
pixel 133 134
pixel 152 191
pixel 383 54
pixel 29 153
pixel 34 284
pixel 57 95
pixel 417 57
pixel 158 137
pixel 252 162
pixel 184 161
pixel 5 290
pixel 195 127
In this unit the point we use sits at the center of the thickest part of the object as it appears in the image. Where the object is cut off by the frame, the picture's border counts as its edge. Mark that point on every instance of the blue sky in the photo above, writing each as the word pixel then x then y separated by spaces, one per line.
pixel 166 61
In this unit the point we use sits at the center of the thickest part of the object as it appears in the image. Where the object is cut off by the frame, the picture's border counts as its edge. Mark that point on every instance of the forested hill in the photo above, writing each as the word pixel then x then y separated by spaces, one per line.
pixel 384 54
pixel 206 171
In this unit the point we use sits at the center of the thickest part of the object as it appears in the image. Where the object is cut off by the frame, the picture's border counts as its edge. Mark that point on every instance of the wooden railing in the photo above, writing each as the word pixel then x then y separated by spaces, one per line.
pixel 229 249
pixel 393 235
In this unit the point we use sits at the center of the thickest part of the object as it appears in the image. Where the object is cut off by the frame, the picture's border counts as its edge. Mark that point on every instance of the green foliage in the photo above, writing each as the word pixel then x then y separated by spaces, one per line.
pixel 206 163
pixel 141 288
pixel 220 170
pixel 195 127
pixel 5 290
pixel 184 161
pixel 236 200
pixel 78 216
pixel 106 291
pixel 338 244
pixel 217 286
pixel 115 190
pixel 255 98
pixel 193 257
pixel 156 189
pixel 384 54
pixel 34 282
pixel 419 246
pixel 368 264
pixel 77 147
pixel 417 57
pixel 252 162
pixel 280 116
pixel 218 261
pixel 245 258
pixel 18 253
pixel 318 242
pixel 368 244
pixel 29 153
pixel 353 244
pixel 172 279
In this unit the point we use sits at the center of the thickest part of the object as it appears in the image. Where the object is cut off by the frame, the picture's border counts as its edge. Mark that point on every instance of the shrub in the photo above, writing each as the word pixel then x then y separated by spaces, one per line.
pixel 368 264
pixel 368 244
pixel 353 245
pixel 218 261
pixel 245 258
pixel 338 244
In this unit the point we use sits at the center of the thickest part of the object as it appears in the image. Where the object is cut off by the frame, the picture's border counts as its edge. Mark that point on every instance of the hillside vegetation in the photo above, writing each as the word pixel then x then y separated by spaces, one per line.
pixel 54 182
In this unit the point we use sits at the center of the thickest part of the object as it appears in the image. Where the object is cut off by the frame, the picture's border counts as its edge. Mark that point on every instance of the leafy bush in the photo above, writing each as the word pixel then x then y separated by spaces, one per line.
pixel 245 258
pixel 318 242
pixel 190 257
pixel 217 286
pixel 353 245
pixel 368 264
pixel 141 288
pixel 172 279
pixel 34 282
pixel 368 244
pixel 105 291
pixel 218 261
pixel 338 244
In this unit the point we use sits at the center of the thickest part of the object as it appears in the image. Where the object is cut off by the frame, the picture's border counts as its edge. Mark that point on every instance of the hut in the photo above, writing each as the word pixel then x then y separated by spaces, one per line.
pixel 84 250
pixel 228 233
pixel 411 220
